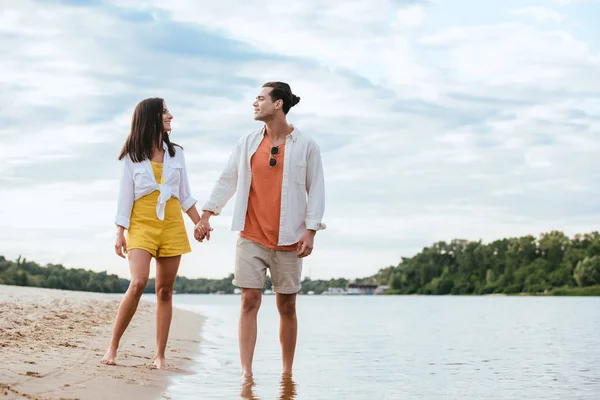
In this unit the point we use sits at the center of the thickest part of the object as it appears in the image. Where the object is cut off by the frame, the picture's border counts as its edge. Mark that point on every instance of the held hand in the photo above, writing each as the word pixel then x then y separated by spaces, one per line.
pixel 120 244
pixel 306 243
pixel 199 233
pixel 202 230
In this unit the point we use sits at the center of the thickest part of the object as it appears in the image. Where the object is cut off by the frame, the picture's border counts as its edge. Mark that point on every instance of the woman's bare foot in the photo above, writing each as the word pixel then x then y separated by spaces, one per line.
pixel 160 363
pixel 109 357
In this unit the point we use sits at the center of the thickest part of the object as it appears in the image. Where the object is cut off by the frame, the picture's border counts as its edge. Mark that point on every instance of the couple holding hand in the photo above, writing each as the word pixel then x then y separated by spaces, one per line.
pixel 278 175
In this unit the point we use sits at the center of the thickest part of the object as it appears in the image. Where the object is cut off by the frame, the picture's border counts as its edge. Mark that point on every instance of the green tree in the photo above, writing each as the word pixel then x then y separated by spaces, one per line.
pixel 395 282
pixel 587 272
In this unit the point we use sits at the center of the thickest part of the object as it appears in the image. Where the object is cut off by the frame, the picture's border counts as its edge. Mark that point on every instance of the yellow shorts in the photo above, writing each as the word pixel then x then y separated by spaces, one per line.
pixel 165 238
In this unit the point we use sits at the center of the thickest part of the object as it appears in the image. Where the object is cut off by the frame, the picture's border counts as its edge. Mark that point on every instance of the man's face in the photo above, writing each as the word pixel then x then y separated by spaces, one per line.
pixel 264 107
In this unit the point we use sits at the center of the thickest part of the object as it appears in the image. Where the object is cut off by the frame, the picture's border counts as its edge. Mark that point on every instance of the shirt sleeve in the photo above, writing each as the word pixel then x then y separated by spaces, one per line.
pixel 185 192
pixel 315 187
pixel 126 195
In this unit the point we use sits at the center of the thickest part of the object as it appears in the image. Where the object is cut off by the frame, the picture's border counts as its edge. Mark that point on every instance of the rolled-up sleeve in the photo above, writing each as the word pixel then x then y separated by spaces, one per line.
pixel 185 192
pixel 126 195
pixel 315 187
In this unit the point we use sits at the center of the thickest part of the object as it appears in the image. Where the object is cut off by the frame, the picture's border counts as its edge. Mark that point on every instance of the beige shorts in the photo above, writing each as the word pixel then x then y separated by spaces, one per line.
pixel 252 261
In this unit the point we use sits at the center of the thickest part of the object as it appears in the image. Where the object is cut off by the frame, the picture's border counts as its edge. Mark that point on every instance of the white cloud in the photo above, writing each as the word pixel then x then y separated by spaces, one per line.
pixel 409 17
pixel 507 56
pixel 569 2
pixel 350 35
pixel 469 131
pixel 539 14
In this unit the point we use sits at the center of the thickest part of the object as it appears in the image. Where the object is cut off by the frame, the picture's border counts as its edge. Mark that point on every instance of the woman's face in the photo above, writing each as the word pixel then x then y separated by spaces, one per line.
pixel 166 118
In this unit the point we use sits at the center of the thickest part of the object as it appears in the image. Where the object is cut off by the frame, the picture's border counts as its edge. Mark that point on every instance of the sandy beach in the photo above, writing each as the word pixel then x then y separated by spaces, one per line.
pixel 52 341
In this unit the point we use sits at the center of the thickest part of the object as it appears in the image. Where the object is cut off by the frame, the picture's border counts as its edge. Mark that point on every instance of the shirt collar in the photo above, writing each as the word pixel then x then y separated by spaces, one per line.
pixel 294 134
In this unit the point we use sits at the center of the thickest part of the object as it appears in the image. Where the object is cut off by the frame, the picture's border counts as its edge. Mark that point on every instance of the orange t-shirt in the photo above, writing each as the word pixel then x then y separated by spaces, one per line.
pixel 264 201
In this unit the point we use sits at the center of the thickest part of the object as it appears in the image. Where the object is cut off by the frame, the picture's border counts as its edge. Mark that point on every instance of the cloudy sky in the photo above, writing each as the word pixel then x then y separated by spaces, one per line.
pixel 436 119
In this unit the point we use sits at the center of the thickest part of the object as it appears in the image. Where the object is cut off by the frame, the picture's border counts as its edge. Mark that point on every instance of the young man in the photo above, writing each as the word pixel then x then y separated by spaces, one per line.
pixel 278 175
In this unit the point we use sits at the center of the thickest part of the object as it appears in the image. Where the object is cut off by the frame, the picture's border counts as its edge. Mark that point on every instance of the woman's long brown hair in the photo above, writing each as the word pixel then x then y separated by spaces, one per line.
pixel 147 131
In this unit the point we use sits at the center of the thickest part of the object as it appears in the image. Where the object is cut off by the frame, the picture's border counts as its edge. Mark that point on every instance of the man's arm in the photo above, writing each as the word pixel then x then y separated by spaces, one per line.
pixel 315 188
pixel 225 186
pixel 222 192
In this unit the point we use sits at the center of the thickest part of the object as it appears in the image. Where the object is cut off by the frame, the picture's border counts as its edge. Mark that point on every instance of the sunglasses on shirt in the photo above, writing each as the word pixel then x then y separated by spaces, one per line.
pixel 272 160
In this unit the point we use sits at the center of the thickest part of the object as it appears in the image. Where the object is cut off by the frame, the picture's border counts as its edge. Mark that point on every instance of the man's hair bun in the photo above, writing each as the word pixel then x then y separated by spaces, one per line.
pixel 295 100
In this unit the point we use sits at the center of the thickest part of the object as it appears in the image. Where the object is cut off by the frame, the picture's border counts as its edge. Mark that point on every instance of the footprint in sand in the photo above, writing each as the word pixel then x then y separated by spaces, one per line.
pixel 34 374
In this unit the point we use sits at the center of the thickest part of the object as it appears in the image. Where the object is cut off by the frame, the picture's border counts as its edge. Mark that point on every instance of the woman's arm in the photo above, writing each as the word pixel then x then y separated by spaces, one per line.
pixel 188 203
pixel 126 196
pixel 124 207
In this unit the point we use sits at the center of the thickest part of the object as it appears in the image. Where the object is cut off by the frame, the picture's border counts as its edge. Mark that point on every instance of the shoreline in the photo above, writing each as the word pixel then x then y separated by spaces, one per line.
pixel 52 342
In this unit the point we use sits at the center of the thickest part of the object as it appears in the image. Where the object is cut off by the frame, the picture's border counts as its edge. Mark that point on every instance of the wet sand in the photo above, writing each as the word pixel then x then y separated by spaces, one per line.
pixel 51 343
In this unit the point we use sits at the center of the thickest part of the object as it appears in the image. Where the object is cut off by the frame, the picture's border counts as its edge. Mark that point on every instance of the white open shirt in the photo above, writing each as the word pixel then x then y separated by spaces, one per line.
pixel 302 191
pixel 137 180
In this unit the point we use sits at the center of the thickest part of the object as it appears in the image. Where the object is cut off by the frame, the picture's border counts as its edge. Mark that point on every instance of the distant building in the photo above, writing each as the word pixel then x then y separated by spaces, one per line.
pixel 381 288
pixel 334 292
pixel 358 289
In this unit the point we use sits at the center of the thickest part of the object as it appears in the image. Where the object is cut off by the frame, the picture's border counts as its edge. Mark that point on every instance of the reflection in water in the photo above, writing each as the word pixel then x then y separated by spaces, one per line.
pixel 247 392
pixel 288 388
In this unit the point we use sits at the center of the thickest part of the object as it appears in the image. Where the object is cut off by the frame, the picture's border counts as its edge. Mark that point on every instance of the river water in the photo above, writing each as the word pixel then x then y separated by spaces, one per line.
pixel 404 347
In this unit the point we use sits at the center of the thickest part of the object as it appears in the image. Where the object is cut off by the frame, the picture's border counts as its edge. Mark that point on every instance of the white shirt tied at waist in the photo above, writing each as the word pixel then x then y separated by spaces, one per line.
pixel 165 194
pixel 302 191
pixel 137 180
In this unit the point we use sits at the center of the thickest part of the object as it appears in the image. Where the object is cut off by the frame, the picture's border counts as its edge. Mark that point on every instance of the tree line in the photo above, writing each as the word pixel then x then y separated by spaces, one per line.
pixel 22 272
pixel 551 263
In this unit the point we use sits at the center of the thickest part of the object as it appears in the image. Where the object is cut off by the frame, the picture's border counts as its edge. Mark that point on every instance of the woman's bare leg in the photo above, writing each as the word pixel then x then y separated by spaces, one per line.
pixel 139 265
pixel 166 272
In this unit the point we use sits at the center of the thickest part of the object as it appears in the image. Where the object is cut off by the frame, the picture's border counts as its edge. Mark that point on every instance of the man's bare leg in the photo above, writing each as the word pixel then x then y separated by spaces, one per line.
pixel 139 265
pixel 251 299
pixel 288 329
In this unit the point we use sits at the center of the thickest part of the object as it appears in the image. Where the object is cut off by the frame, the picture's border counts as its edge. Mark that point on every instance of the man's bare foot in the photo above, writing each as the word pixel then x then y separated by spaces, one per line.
pixel 109 357
pixel 160 363
pixel 247 374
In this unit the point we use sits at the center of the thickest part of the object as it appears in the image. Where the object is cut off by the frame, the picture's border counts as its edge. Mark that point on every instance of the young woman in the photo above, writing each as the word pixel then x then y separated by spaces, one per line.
pixel 154 189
